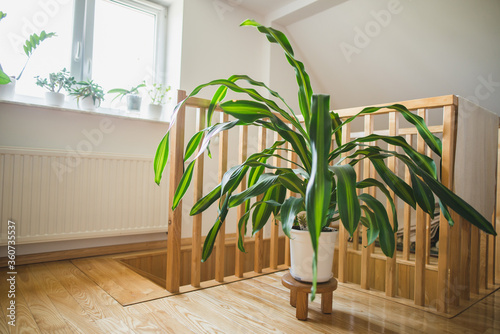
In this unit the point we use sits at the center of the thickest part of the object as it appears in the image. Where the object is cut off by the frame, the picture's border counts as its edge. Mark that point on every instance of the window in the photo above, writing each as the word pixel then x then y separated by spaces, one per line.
pixel 116 43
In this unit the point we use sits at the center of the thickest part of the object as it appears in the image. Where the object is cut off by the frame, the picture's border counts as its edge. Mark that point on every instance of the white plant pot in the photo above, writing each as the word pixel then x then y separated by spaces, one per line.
pixel 134 102
pixel 87 103
pixel 8 91
pixel 154 111
pixel 54 99
pixel 301 255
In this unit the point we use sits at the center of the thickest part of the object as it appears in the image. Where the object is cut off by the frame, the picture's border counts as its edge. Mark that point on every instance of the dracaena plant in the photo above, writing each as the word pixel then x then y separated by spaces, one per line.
pixel 324 182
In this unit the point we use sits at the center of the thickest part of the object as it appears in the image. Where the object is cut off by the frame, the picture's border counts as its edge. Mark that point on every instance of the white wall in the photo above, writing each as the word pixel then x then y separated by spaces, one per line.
pixel 423 49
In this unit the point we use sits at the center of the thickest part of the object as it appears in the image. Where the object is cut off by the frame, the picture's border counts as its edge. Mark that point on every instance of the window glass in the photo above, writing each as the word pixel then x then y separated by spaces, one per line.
pixel 32 16
pixel 124 51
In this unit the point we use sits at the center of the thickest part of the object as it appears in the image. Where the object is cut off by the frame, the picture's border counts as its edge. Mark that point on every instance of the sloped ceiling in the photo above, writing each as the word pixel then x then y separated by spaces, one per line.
pixel 375 51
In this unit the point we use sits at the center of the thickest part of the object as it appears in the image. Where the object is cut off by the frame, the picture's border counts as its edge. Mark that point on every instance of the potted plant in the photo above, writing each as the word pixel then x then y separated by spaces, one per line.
pixel 90 94
pixel 8 83
pixel 326 188
pixel 158 96
pixel 54 84
pixel 134 99
pixel 301 251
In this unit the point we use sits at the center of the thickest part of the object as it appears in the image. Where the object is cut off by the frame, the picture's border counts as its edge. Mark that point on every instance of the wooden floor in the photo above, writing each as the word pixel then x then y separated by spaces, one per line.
pixel 57 297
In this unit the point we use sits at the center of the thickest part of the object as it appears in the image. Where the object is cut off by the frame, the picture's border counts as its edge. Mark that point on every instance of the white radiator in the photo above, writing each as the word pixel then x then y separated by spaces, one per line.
pixel 64 195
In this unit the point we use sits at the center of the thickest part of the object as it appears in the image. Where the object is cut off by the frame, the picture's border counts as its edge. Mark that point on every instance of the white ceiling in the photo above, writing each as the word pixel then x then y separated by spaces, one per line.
pixel 264 7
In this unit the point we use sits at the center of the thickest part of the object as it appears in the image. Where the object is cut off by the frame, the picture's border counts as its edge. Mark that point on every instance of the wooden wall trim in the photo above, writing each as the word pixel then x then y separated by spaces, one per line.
pixel 84 252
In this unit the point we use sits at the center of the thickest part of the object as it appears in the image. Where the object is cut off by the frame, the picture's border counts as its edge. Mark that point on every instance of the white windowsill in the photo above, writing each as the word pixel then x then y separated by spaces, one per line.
pixel 71 106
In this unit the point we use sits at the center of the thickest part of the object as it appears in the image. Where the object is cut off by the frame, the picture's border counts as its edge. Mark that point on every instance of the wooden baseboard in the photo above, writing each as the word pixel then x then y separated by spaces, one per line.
pixel 85 252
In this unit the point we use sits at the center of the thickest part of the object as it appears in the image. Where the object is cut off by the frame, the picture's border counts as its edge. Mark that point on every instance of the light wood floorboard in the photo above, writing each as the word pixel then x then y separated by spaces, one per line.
pixel 57 297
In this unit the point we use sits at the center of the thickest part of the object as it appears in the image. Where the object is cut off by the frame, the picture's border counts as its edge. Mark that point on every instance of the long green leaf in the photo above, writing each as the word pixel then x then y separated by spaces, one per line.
pixel 305 91
pixel 193 144
pixel 246 111
pixel 271 202
pixel 386 233
pixel 289 210
pixel 183 185
pixel 161 157
pixel 347 200
pixel 400 187
pixel 262 185
pixel 206 201
pixel 370 221
pixel 319 186
pixel 369 182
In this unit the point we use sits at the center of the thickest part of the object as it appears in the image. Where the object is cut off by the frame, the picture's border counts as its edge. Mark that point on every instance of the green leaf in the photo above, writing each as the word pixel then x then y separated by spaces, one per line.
pixel 2 15
pixel 370 222
pixel 271 201
pixel 208 245
pixel 423 195
pixel 319 186
pixel 400 187
pixel 183 185
pixel 246 111
pixel 264 182
pixel 305 91
pixel 347 199
pixel 161 157
pixel 206 201
pixel 4 78
pixel 292 182
pixel 386 234
pixel 193 144
pixel 337 124
pixel 289 210
pixel 369 182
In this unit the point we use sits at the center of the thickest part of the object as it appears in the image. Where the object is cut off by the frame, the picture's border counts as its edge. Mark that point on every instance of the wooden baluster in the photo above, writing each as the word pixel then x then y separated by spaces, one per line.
pixel 449 141
pixel 221 237
pixel 239 256
pixel 420 253
pixel 474 258
pixel 483 256
pixel 366 251
pixel 273 261
pixel 465 259
pixel 259 236
pixel 175 216
pixel 391 265
pixel 491 256
pixel 292 157
pixel 428 227
pixel 197 220
pixel 355 237
pixel 407 211
pixel 343 235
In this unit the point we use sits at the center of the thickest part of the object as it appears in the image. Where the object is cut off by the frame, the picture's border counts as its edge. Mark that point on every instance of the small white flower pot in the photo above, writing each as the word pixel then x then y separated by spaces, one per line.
pixel 301 255
pixel 8 91
pixel 54 99
pixel 155 111
pixel 134 102
pixel 87 103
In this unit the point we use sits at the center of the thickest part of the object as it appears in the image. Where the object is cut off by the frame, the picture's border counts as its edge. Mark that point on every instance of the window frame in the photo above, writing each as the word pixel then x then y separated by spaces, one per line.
pixel 83 37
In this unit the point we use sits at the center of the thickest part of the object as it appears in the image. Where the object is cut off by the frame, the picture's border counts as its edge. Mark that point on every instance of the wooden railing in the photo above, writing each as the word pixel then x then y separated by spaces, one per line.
pixel 440 283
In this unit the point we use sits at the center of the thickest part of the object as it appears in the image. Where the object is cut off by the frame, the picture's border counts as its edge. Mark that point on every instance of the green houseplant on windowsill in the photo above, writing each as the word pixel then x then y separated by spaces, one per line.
pixel 326 192
pixel 157 93
pixel 90 94
pixel 54 84
pixel 8 83
pixel 134 99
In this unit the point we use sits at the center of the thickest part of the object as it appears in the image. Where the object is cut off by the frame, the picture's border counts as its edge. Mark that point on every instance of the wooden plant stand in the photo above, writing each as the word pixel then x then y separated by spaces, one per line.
pixel 299 295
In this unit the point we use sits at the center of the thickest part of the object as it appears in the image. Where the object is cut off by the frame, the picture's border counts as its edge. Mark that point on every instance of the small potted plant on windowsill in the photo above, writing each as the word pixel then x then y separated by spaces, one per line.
pixel 158 96
pixel 8 83
pixel 90 94
pixel 55 83
pixel 134 99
